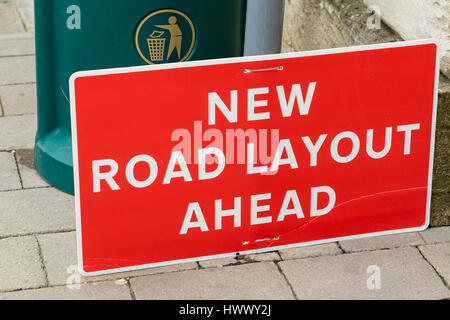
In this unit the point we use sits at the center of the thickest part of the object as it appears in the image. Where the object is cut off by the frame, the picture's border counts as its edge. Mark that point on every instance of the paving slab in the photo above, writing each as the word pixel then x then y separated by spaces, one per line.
pixel 402 274
pixel 26 11
pixel 439 257
pixel 18 44
pixel 9 18
pixel 261 280
pixel 17 132
pixel 20 265
pixel 28 173
pixel 59 251
pixel 217 263
pixel 35 211
pixel 9 177
pixel 19 99
pixel 31 178
pixel 261 257
pixel 92 291
pixel 17 70
pixel 436 235
pixel 326 249
pixel 382 242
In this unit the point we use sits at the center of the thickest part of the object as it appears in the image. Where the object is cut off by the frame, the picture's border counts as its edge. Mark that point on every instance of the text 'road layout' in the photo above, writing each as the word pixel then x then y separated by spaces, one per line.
pixel 176 166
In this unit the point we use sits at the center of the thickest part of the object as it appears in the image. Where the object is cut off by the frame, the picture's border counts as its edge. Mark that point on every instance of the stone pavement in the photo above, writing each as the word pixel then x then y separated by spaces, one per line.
pixel 38 247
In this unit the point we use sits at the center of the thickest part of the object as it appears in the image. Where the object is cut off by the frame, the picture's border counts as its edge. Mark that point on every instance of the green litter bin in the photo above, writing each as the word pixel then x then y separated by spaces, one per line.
pixel 77 35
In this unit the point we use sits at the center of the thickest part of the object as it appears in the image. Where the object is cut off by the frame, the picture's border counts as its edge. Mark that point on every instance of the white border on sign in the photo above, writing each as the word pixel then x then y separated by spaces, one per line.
pixel 267 58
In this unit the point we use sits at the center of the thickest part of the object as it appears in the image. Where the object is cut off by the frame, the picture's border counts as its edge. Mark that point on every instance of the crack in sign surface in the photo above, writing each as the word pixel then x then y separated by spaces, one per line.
pixel 363 197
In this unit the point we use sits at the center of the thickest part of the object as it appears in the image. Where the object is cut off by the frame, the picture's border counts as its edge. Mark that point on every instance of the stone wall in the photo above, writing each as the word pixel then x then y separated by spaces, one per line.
pixel 418 19
pixel 320 24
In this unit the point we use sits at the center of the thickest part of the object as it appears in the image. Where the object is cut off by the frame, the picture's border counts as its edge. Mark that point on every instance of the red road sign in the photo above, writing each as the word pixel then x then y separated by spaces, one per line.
pixel 198 160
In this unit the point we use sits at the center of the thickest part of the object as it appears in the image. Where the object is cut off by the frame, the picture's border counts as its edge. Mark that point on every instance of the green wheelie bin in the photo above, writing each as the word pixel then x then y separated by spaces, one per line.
pixel 77 35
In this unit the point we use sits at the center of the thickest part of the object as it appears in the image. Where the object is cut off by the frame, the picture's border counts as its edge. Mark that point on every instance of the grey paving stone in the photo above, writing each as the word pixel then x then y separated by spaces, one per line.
pixel 217 263
pixel 404 274
pixel 17 70
pixel 261 257
pixel 260 280
pixel 17 132
pixel 19 99
pixel 436 235
pixel 20 265
pixel 9 177
pixel 382 242
pixel 30 178
pixel 439 256
pixel 59 251
pixel 326 249
pixel 413 19
pixel 9 18
pixel 28 173
pixel 17 44
pixel 92 291
pixel 26 10
pixel 35 211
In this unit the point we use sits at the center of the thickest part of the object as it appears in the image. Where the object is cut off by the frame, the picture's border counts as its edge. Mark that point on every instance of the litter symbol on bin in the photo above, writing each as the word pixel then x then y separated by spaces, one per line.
pixel 165 36
pixel 156 46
